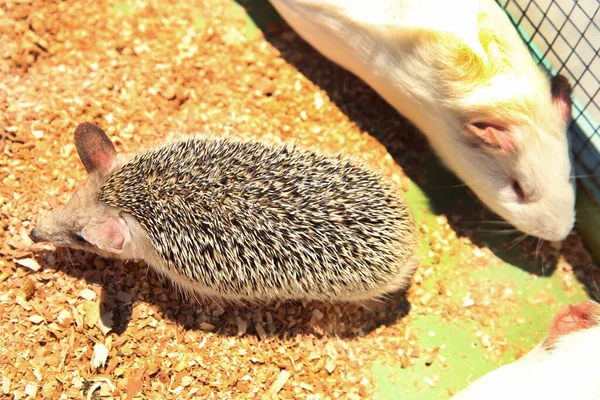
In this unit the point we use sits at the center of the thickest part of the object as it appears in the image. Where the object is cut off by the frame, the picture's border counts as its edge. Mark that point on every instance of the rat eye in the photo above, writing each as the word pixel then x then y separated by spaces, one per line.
pixel 516 186
pixel 80 239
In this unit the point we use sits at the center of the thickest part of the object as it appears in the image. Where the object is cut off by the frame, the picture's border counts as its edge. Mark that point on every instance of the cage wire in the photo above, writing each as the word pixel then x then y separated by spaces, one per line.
pixel 564 37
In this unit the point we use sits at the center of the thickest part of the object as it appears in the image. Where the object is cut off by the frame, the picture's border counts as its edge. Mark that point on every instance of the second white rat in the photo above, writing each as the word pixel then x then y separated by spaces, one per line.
pixel 562 367
pixel 461 73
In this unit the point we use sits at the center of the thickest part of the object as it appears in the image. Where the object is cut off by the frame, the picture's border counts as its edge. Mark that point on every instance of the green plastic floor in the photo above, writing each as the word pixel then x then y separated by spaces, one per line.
pixel 459 340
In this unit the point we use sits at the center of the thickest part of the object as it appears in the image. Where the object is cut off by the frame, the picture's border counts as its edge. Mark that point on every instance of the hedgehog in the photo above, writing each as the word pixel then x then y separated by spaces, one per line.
pixel 240 219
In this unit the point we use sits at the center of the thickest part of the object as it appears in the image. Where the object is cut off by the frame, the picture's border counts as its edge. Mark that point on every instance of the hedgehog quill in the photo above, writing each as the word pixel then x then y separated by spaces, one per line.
pixel 240 219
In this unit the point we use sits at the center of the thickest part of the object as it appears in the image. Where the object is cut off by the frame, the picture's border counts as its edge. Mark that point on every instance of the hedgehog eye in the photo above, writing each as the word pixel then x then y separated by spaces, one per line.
pixel 80 239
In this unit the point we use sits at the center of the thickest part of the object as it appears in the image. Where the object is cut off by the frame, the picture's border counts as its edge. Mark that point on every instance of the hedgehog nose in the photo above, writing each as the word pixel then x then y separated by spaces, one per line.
pixel 35 236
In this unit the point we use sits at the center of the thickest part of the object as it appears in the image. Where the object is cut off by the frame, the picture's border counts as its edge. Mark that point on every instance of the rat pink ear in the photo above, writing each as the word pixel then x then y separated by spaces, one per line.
pixel 108 235
pixel 95 149
pixel 561 95
pixel 574 318
pixel 493 135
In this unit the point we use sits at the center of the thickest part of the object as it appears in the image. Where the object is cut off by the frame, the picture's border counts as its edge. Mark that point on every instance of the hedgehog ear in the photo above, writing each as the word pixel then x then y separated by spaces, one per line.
pixel 95 149
pixel 108 235
pixel 561 95
pixel 493 136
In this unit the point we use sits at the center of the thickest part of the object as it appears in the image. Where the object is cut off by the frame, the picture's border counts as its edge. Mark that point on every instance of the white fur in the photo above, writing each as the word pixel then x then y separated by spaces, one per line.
pixel 376 41
pixel 567 372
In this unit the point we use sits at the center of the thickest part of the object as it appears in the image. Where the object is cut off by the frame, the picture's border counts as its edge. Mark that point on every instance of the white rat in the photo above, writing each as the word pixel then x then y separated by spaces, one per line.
pixel 460 72
pixel 563 366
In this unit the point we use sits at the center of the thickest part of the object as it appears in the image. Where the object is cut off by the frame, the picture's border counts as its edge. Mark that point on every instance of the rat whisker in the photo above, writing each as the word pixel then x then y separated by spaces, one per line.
pixel 504 223
pixel 538 247
pixel 543 265
pixel 518 240
pixel 498 231
pixel 452 186
pixel 585 176
pixel 596 286
pixel 588 209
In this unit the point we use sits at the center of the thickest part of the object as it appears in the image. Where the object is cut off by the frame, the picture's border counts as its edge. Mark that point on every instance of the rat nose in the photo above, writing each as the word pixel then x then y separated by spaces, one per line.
pixel 34 236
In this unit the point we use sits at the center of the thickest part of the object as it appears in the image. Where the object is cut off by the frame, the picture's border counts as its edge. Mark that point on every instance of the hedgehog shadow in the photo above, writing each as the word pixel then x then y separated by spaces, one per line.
pixel 446 194
pixel 126 284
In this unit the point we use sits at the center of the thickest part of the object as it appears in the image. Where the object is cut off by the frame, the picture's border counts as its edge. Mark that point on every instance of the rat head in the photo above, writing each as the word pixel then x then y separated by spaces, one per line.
pixel 500 124
pixel 509 145
pixel 527 174
pixel 84 222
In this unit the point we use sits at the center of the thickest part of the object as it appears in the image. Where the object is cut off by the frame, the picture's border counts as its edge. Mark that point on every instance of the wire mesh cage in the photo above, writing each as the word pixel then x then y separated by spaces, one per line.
pixel 564 36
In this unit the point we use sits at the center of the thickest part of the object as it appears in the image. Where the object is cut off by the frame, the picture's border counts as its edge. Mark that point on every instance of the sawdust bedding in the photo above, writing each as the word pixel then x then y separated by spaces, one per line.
pixel 73 325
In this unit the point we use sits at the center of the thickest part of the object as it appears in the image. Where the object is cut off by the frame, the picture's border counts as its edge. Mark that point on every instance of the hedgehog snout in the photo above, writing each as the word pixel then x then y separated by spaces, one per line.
pixel 35 236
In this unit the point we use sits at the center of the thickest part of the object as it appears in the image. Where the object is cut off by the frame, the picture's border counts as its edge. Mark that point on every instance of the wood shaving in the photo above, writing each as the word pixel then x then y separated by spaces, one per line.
pixel 29 263
pixel 87 294
pixel 99 356
pixel 279 382
pixel 36 319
